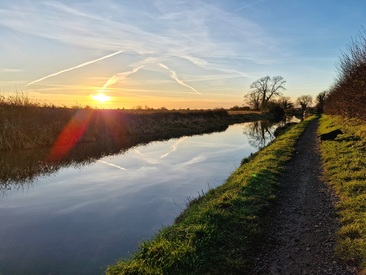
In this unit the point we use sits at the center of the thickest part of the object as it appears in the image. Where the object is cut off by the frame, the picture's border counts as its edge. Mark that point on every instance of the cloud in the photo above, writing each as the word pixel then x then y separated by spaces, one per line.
pixel 10 70
pixel 120 76
pixel 73 68
pixel 174 76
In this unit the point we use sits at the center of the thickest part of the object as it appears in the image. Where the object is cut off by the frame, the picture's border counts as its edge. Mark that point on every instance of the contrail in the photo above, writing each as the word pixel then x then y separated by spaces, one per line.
pixel 75 67
pixel 115 78
pixel 176 78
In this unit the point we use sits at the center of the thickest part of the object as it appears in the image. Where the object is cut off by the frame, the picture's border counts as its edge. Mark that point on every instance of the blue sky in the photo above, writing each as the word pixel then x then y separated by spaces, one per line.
pixel 174 54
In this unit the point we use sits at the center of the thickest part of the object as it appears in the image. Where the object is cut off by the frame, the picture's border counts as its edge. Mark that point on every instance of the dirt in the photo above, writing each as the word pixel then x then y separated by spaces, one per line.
pixel 303 223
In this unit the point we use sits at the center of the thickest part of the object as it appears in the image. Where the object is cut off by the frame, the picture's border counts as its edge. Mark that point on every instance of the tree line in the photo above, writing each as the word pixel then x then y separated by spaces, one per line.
pixel 267 94
pixel 347 96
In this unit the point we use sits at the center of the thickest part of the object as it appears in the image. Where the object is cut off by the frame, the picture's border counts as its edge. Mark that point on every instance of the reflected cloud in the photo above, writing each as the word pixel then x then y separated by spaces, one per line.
pixel 194 160
pixel 146 158
pixel 174 147
pixel 113 165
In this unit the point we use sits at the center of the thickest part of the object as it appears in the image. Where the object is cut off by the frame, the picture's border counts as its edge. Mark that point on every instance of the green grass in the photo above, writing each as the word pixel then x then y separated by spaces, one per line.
pixel 344 163
pixel 220 231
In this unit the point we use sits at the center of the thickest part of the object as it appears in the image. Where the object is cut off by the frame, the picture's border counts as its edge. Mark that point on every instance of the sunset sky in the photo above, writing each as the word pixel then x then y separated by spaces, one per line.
pixel 170 53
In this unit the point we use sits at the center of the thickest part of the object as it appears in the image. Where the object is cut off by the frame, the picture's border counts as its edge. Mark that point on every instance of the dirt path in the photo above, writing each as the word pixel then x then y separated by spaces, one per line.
pixel 303 223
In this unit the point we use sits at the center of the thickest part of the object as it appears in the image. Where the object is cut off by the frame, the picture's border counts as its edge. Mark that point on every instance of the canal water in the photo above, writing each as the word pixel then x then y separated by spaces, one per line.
pixel 82 214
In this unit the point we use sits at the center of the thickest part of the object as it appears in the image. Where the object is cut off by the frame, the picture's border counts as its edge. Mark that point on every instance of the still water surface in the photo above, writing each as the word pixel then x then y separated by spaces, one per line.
pixel 80 218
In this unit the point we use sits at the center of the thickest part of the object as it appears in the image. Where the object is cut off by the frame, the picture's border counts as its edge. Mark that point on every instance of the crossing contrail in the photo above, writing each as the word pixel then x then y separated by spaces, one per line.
pixel 75 67
pixel 176 78
pixel 115 78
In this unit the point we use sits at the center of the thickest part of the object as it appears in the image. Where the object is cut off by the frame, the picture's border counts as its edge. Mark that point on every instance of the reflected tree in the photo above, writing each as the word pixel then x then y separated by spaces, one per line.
pixel 260 133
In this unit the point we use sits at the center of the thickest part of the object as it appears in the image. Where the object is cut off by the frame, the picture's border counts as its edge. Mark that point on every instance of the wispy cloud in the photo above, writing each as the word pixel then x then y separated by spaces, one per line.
pixel 10 70
pixel 174 76
pixel 75 67
pixel 120 76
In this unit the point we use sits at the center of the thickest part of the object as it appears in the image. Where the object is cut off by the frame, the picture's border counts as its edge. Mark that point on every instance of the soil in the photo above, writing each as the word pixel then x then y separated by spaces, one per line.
pixel 303 223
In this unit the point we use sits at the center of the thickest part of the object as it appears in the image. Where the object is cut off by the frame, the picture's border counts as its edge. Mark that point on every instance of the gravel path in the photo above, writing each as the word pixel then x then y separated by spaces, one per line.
pixel 303 223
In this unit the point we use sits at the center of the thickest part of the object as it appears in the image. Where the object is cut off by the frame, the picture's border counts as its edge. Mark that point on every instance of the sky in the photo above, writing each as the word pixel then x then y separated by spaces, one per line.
pixel 196 54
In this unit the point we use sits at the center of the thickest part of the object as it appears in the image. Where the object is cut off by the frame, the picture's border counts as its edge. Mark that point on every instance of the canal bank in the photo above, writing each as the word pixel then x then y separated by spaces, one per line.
pixel 219 231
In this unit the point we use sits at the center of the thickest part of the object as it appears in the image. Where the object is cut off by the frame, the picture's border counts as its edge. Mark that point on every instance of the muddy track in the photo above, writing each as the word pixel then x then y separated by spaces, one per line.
pixel 301 226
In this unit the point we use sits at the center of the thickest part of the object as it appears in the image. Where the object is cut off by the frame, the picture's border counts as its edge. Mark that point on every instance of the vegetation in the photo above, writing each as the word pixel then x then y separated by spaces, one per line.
pixel 304 101
pixel 344 163
pixel 220 231
pixel 27 125
pixel 320 101
pixel 347 97
pixel 264 90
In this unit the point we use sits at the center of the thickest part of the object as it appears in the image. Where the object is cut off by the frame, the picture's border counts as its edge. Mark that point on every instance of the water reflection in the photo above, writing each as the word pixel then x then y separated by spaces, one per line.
pixel 23 167
pixel 77 218
pixel 260 133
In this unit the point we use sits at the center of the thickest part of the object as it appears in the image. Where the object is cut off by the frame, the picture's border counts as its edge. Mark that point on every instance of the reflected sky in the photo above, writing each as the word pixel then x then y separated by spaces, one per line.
pixel 80 219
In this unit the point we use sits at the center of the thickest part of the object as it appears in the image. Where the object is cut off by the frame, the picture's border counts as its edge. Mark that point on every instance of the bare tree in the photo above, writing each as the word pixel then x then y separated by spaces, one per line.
pixel 304 101
pixel 266 88
pixel 285 103
pixel 253 99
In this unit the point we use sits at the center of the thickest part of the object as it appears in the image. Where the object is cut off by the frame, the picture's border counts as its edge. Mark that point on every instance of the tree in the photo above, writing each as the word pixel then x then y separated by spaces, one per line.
pixel 320 99
pixel 304 101
pixel 285 103
pixel 267 88
pixel 253 99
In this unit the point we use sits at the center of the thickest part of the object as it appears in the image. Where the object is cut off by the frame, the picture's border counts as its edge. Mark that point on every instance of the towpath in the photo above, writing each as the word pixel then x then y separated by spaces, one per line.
pixel 303 223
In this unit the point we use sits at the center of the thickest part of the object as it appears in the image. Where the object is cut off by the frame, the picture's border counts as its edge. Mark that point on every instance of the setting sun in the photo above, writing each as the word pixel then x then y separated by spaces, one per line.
pixel 101 97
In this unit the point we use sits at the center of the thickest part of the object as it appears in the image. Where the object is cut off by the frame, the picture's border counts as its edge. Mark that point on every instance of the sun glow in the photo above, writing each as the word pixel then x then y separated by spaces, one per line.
pixel 101 97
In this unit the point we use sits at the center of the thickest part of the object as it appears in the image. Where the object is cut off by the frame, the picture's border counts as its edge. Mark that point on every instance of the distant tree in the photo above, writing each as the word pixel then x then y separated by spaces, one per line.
pixel 285 103
pixel 304 101
pixel 320 100
pixel 253 99
pixel 266 88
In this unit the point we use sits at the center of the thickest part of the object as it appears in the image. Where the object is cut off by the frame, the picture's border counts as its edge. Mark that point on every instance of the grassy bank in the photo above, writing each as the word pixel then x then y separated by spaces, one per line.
pixel 344 163
pixel 219 232
pixel 25 125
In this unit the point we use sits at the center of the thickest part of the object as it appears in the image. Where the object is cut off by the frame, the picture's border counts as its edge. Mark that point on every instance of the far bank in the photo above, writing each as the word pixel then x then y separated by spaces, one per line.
pixel 29 127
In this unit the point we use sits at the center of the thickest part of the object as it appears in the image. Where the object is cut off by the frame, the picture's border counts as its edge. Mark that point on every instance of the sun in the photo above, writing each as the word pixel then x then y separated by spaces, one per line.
pixel 101 97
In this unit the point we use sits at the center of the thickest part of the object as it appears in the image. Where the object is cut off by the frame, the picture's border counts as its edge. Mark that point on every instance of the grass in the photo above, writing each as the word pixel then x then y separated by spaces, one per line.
pixel 344 163
pixel 220 231
pixel 25 124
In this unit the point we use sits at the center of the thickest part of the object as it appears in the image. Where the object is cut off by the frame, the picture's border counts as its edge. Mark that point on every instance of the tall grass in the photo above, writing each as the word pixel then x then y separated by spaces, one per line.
pixel 25 124
pixel 344 163
pixel 219 232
